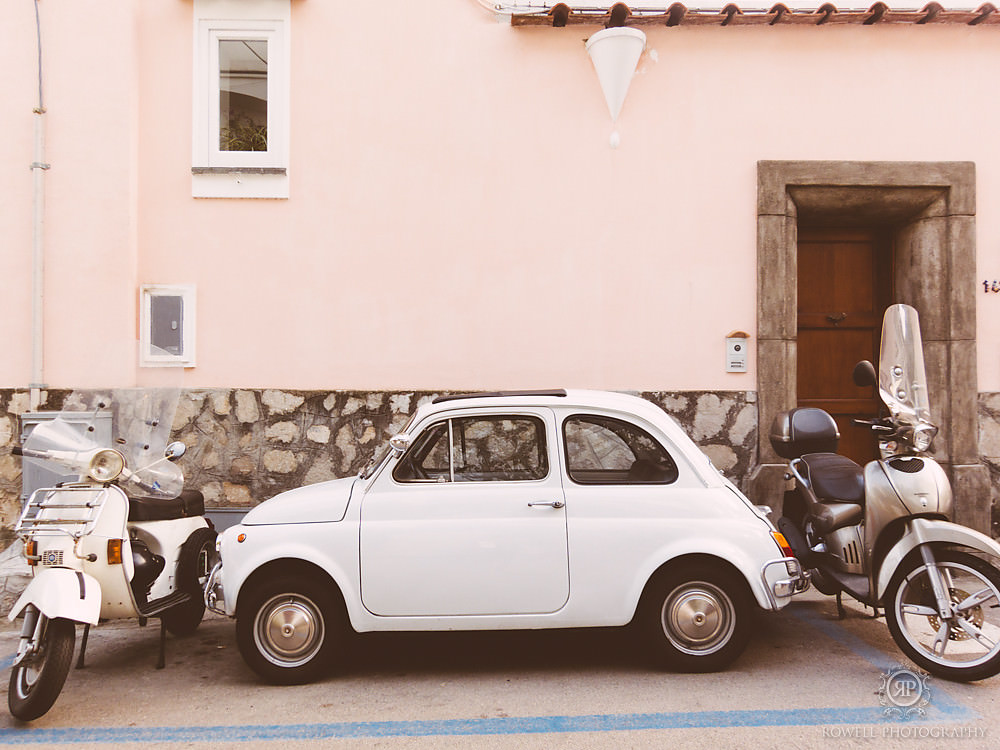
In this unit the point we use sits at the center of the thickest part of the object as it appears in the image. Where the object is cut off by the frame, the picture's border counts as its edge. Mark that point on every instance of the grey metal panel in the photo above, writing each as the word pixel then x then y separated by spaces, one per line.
pixel 34 476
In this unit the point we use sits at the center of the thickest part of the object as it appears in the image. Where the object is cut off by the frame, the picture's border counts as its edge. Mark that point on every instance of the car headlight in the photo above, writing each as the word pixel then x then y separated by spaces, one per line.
pixel 106 465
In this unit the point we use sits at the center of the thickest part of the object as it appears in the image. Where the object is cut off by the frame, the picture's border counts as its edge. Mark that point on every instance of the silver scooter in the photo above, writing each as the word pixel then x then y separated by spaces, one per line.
pixel 121 539
pixel 882 534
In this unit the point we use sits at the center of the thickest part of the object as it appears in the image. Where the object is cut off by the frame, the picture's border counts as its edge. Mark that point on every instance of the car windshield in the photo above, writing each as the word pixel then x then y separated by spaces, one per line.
pixel 380 455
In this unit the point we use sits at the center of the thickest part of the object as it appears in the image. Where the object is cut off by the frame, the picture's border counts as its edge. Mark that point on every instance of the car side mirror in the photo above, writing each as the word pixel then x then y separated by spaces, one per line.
pixel 864 374
pixel 400 443
pixel 174 451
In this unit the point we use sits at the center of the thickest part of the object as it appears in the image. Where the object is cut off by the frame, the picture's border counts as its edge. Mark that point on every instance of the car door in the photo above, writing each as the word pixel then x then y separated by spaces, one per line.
pixel 471 520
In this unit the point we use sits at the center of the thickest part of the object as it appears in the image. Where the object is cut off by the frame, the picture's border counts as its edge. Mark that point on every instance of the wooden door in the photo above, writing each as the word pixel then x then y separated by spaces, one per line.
pixel 844 286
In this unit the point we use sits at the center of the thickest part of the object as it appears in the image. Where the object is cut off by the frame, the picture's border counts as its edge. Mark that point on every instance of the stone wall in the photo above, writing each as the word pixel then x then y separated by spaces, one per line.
pixel 248 445
pixel 989 449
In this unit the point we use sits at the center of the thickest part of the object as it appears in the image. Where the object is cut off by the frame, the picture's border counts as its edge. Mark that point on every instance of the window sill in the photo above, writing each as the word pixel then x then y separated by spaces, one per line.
pixel 239 182
pixel 238 170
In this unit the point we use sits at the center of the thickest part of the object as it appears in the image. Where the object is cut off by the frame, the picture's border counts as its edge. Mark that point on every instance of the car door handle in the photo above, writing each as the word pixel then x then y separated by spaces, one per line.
pixel 550 504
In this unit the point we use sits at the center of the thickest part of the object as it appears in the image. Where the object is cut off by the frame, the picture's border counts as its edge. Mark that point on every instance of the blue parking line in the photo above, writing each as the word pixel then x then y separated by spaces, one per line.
pixel 467 727
pixel 943 709
pixel 941 699
pixel 834 632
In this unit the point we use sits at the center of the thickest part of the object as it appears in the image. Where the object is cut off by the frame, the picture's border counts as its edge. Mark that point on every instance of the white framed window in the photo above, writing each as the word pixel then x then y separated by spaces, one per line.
pixel 241 99
pixel 167 315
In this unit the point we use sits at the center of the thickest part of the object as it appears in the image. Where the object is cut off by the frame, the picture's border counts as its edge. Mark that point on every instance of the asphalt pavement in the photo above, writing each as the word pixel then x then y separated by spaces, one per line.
pixel 807 680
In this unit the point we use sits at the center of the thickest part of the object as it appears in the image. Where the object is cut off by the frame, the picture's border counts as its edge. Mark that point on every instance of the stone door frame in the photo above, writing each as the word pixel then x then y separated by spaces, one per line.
pixel 931 209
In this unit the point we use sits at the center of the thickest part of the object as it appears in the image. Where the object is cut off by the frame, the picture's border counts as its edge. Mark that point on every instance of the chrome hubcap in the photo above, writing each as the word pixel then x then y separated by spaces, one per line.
pixel 289 630
pixel 697 618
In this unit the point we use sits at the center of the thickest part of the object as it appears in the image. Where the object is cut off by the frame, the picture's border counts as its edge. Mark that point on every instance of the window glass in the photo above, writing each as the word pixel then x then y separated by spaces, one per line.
pixel 166 313
pixel 499 449
pixel 477 449
pixel 243 95
pixel 602 450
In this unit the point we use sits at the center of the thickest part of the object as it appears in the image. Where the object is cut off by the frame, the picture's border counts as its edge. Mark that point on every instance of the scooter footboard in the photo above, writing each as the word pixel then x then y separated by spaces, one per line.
pixel 61 592
pixel 927 531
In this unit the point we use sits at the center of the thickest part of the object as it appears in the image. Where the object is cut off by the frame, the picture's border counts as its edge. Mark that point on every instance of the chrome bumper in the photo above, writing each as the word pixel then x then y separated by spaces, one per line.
pixel 214 596
pixel 793 580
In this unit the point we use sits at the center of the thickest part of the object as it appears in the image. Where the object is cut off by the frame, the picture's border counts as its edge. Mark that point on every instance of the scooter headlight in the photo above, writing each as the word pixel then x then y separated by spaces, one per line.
pixel 923 437
pixel 106 465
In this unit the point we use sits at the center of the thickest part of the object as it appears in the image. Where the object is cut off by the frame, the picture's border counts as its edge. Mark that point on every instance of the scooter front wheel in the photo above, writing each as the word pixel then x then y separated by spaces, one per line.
pixel 963 647
pixel 37 680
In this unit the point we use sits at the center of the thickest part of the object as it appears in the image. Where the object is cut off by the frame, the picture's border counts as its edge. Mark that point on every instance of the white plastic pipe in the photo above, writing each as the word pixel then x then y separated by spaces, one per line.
pixel 38 167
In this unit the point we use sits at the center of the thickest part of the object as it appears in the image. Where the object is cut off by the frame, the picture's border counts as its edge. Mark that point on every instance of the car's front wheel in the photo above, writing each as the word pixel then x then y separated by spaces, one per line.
pixel 287 629
pixel 696 617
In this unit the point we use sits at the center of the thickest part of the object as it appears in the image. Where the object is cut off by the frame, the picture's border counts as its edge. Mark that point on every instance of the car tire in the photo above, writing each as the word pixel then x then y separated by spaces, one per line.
pixel 696 617
pixel 288 628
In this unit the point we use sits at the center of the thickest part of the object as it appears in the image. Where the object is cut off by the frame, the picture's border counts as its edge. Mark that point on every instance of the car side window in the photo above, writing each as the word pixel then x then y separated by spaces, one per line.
pixel 477 449
pixel 603 450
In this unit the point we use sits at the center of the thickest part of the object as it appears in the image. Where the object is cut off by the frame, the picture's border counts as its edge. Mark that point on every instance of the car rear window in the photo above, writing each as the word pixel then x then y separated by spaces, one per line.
pixel 604 450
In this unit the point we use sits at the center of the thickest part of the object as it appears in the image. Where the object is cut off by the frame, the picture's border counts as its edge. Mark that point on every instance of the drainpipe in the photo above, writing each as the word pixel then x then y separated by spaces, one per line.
pixel 38 167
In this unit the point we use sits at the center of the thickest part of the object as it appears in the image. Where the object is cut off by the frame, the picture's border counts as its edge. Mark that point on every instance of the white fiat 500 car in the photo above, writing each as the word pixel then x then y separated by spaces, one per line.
pixel 513 510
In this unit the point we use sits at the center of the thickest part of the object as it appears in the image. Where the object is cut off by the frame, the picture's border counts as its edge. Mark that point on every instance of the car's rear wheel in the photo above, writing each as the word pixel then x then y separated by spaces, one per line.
pixel 288 628
pixel 696 617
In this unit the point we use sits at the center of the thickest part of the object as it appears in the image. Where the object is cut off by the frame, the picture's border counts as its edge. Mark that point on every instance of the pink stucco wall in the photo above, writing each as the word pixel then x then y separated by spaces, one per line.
pixel 91 221
pixel 457 218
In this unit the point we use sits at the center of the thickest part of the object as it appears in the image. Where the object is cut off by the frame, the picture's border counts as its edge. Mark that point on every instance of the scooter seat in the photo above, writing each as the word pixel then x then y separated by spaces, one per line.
pixel 833 516
pixel 835 477
pixel 188 503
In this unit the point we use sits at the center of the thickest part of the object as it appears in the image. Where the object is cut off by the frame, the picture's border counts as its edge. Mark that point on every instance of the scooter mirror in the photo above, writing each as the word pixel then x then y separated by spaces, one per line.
pixel 174 451
pixel 864 373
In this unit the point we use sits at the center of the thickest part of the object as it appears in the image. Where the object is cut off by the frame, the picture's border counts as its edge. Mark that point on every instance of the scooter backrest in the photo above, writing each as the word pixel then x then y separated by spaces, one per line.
pixel 803 430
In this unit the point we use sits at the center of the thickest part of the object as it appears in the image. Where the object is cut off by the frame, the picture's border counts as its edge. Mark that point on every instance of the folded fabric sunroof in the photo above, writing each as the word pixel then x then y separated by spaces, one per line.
pixel 557 392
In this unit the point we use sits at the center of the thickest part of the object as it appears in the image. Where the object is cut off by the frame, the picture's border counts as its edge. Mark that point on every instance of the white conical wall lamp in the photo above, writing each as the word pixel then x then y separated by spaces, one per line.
pixel 615 53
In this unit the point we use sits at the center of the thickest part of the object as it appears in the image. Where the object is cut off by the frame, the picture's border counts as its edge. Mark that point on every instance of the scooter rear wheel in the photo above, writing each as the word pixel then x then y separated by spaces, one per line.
pixel 194 563
pixel 36 682
pixel 963 648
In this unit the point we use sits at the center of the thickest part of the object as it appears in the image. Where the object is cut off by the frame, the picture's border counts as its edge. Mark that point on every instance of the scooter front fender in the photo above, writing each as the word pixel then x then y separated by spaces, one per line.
pixel 926 531
pixel 61 592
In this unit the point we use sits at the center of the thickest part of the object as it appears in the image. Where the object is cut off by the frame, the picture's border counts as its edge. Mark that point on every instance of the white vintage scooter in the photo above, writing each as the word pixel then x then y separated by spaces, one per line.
pixel 123 541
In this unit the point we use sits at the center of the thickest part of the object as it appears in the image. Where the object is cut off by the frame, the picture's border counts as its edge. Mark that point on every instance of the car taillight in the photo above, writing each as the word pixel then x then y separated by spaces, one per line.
pixel 783 545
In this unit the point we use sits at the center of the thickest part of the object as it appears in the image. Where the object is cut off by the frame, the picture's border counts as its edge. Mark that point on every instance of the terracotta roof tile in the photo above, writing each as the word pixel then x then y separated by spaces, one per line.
pixel 677 14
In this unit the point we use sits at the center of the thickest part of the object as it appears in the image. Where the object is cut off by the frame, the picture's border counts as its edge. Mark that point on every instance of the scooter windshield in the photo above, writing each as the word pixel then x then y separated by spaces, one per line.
pixel 902 381
pixel 140 422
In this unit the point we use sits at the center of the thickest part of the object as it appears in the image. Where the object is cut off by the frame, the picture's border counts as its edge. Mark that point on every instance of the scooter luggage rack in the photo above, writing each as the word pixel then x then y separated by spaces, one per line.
pixel 44 515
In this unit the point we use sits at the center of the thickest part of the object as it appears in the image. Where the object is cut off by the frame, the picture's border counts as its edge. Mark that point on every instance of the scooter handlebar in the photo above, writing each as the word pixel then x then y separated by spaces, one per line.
pixel 878 425
pixel 17 450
